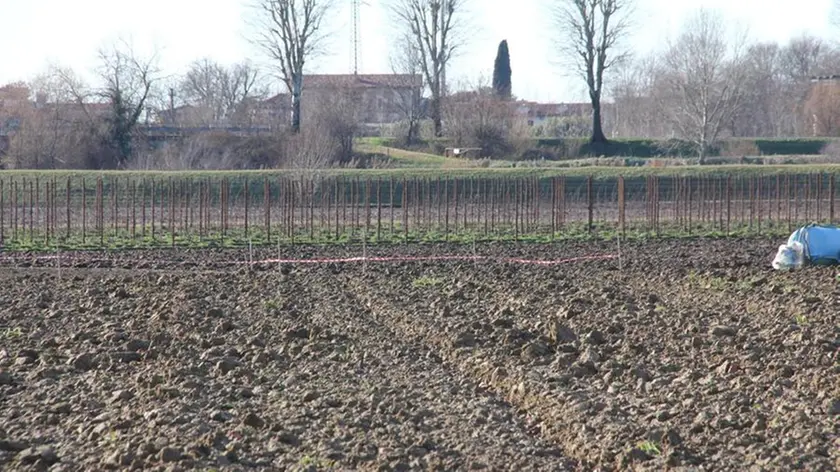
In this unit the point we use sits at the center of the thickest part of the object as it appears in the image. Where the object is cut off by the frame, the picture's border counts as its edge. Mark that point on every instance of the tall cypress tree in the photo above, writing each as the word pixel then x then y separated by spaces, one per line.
pixel 502 72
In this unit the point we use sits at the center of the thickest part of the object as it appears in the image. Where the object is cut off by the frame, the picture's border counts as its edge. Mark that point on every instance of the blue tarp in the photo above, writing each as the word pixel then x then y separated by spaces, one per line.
pixel 821 243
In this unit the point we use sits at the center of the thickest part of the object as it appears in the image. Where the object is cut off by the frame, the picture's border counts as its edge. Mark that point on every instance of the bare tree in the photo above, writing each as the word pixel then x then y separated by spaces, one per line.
pixel 128 82
pixel 704 80
pixel 223 94
pixel 291 34
pixel 434 27
pixel 327 138
pixel 77 94
pixel 54 131
pixel 241 87
pixel 200 88
pixel 480 118
pixel 338 117
pixel 802 56
pixel 633 91
pixel 592 32
pixel 405 59
pixel 764 104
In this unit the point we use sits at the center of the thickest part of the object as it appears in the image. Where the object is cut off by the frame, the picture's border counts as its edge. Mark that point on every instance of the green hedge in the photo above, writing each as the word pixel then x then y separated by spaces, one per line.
pixel 776 147
pixel 574 148
pixel 571 148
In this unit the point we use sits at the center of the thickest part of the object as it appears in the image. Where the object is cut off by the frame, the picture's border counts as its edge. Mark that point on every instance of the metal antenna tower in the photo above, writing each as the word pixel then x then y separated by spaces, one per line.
pixel 356 36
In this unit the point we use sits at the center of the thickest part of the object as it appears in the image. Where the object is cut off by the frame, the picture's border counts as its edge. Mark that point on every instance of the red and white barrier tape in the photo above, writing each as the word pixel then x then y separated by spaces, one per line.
pixel 513 260
pixel 338 260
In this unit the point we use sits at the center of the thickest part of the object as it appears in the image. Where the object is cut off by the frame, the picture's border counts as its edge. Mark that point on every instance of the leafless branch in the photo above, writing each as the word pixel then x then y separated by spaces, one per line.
pixel 222 93
pixel 290 33
pixel 405 59
pixel 435 28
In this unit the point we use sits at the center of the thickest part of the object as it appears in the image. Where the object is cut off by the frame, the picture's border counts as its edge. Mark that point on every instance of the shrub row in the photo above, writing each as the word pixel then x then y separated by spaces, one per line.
pixel 575 148
pixel 647 148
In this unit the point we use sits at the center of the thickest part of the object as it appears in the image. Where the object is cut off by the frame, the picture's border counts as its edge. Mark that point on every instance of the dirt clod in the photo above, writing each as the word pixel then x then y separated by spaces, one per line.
pixel 6 378
pixel 464 339
pixel 594 337
pixel 170 454
pixel 833 406
pixel 82 362
pixel 722 330
pixel 560 334
pixel 253 420
pixel 44 454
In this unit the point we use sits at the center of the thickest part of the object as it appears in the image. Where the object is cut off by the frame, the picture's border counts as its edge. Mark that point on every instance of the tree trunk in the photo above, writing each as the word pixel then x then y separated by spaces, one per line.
pixel 597 130
pixel 296 93
pixel 436 116
pixel 412 131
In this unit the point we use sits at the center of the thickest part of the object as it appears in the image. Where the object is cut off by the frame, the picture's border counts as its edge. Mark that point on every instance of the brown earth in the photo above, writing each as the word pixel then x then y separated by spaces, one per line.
pixel 683 354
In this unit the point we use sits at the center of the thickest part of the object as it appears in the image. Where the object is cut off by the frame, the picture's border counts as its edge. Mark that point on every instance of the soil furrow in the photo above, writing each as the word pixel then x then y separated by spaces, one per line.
pixel 656 376
pixel 460 424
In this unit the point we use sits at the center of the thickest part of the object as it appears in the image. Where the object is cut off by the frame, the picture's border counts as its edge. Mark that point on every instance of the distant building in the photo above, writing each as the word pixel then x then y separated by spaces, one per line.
pixel 381 98
pixel 822 106
pixel 14 103
pixel 377 98
pixel 188 116
pixel 17 106
pixel 274 112
pixel 14 95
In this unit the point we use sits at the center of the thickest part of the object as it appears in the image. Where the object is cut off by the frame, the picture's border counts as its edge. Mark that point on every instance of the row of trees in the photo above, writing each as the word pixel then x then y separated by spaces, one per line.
pixel 73 124
pixel 95 126
pixel 708 82
pixel 590 42
pixel 63 122
pixel 79 125
pixel 711 81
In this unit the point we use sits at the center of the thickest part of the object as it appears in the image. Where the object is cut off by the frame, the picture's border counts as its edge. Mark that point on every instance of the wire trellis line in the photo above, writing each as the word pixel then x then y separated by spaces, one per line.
pixel 167 211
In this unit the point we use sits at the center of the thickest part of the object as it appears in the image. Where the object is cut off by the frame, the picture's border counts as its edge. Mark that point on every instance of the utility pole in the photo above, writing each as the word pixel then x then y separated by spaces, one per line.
pixel 172 105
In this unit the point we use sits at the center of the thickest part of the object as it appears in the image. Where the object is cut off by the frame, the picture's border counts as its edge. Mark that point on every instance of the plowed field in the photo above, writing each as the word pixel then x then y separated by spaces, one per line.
pixel 682 354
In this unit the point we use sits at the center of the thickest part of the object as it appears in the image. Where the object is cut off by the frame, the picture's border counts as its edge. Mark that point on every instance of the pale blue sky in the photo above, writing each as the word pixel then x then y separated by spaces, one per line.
pixel 35 32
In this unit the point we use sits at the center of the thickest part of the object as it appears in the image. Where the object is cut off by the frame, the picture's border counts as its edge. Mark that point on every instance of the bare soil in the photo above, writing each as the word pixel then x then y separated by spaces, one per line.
pixel 682 354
